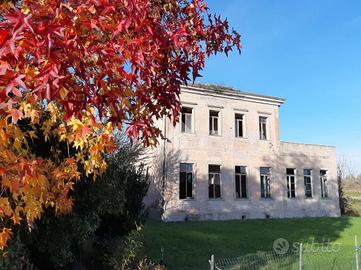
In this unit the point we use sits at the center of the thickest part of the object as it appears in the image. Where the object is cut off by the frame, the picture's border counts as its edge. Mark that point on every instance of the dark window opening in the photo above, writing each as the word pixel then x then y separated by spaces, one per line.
pixel 241 182
pixel 214 181
pixel 265 182
pixel 239 125
pixel 307 175
pixel 186 181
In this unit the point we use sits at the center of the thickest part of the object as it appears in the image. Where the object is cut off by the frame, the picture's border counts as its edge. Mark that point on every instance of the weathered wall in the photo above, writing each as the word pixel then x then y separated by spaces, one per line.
pixel 226 150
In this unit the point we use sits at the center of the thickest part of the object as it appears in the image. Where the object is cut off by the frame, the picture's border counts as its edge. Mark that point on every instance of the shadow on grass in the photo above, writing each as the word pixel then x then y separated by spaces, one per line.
pixel 189 245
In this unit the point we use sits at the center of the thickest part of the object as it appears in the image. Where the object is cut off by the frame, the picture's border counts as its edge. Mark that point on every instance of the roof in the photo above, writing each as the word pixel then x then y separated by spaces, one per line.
pixel 231 92
pixel 309 144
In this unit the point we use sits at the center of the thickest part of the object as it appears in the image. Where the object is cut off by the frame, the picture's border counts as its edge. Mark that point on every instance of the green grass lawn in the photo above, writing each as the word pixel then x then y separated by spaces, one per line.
pixel 188 245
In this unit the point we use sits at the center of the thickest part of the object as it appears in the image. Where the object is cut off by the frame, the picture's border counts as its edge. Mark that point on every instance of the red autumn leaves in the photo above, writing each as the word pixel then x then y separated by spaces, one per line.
pixel 100 64
pixel 3 36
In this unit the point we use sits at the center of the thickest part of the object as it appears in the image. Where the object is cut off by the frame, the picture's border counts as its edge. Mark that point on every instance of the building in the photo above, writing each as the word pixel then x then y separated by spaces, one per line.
pixel 225 160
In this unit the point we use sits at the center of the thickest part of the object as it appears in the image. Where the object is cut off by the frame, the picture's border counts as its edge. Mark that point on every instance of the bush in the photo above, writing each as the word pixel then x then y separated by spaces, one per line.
pixel 16 256
pixel 128 253
pixel 106 209
pixel 145 264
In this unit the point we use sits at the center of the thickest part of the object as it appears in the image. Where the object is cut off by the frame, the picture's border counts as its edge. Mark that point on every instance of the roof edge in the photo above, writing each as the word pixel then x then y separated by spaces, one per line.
pixel 227 91
pixel 310 144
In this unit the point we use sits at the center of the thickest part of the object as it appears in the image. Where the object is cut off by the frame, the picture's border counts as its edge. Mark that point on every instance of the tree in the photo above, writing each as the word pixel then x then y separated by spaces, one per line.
pixel 344 171
pixel 78 70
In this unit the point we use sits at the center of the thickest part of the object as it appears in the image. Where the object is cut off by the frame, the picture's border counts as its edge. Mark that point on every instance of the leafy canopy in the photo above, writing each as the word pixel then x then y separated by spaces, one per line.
pixel 78 70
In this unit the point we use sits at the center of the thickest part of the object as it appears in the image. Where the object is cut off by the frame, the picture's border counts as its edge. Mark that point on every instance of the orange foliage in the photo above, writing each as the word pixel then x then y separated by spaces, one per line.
pixel 79 70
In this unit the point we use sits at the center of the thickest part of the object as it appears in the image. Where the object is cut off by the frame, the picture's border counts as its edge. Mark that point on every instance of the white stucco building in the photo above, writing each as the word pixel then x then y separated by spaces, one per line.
pixel 225 160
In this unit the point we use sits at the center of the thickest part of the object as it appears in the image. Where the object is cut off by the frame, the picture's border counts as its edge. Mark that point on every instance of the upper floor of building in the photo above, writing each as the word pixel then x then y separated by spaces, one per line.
pixel 212 114
pixel 216 120
pixel 229 113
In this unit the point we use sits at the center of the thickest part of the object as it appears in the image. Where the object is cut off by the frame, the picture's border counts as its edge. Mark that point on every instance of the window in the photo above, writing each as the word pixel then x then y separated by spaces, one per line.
pixel 213 122
pixel 263 128
pixel 323 180
pixel 241 182
pixel 186 181
pixel 307 174
pixel 291 190
pixel 214 181
pixel 186 120
pixel 265 182
pixel 239 127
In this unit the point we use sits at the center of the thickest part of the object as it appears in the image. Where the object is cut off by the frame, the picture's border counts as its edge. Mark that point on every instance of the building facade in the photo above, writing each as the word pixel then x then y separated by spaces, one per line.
pixel 225 160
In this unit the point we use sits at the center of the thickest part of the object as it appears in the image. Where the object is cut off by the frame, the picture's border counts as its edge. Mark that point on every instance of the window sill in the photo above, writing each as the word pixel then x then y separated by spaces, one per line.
pixel 242 199
pixel 215 135
pixel 188 133
pixel 215 200
pixel 326 199
pixel 187 199
pixel 292 198
pixel 241 138
pixel 266 199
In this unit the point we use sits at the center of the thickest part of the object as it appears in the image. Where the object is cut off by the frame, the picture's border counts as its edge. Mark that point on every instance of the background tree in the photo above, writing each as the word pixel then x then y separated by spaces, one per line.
pixel 78 70
pixel 341 194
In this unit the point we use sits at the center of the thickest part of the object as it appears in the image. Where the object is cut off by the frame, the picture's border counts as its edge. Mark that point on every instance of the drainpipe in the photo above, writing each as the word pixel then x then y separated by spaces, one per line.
pixel 164 155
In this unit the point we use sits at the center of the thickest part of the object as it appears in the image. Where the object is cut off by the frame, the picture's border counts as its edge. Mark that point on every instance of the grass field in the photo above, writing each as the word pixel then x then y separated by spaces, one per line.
pixel 189 245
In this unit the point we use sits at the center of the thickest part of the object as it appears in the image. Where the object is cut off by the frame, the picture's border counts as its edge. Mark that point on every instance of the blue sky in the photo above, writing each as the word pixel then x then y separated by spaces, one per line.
pixel 308 52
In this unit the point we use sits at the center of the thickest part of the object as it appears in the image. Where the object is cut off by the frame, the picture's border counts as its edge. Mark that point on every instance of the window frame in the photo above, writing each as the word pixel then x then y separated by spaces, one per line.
pixel 245 174
pixel 288 183
pixel 192 119
pixel 311 182
pixel 214 187
pixel 192 184
pixel 211 123
pixel 236 125
pixel 267 191
pixel 324 184
pixel 265 129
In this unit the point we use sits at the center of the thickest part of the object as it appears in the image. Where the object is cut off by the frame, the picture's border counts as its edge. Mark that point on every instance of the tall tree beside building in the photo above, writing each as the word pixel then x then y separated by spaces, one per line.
pixel 78 70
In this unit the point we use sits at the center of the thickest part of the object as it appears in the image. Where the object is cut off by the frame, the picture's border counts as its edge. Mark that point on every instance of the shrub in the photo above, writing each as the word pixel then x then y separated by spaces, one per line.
pixel 106 209
pixel 16 256
pixel 128 253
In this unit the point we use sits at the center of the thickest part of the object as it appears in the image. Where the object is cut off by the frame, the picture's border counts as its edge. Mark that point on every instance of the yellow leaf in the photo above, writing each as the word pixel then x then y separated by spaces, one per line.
pixel 5 235
pixel 25 11
pixel 32 134
pixel 79 157
pixel 16 219
pixel 63 92
pixel 75 123
pixel 79 143
pixel 17 144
